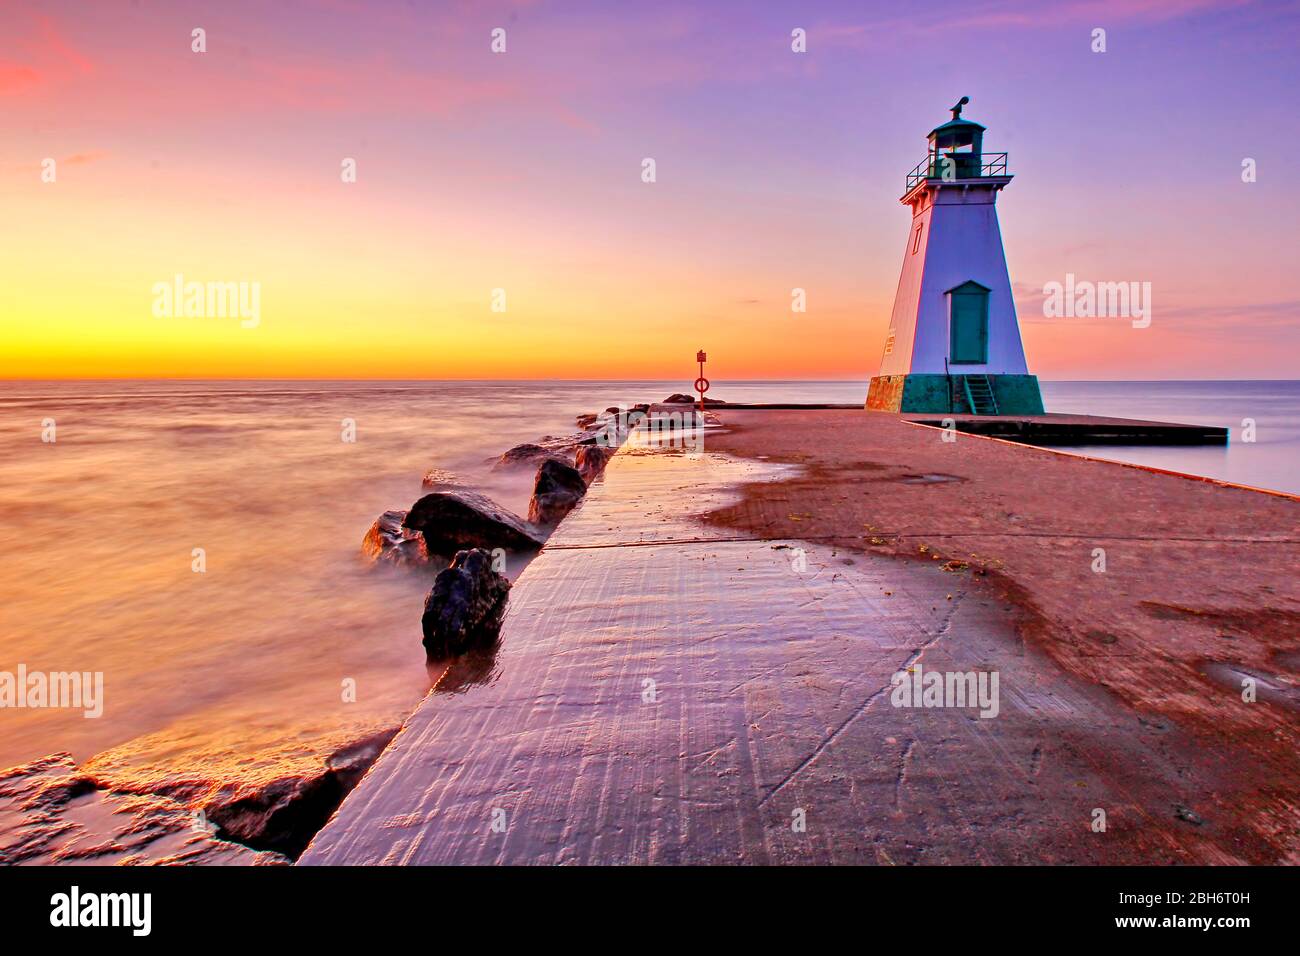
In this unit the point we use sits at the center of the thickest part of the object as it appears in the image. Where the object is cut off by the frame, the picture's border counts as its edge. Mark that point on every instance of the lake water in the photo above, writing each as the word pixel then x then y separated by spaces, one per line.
pixel 241 671
pixel 1270 460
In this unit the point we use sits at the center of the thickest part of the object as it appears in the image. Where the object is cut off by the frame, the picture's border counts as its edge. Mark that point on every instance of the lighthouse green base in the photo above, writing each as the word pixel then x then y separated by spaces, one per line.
pixel 1014 394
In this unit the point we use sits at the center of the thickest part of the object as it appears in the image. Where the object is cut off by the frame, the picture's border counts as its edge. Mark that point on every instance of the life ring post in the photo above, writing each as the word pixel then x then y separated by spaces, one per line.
pixel 701 383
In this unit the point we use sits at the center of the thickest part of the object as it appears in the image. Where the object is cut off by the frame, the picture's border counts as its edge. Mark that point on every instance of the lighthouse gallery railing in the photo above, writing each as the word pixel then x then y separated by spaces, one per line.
pixel 957 166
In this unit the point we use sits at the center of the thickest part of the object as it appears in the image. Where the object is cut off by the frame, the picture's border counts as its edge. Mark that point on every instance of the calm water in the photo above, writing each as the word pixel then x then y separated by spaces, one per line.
pixel 238 672
pixel 1272 460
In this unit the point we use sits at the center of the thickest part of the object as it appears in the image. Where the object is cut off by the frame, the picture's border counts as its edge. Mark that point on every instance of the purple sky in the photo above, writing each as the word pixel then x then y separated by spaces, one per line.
pixel 775 170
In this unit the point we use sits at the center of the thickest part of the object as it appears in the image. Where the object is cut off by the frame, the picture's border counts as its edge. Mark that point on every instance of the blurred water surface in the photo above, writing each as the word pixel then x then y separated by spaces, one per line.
pixel 239 672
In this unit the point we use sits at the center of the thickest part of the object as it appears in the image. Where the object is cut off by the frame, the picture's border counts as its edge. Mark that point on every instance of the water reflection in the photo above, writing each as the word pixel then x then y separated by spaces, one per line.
pixel 472 669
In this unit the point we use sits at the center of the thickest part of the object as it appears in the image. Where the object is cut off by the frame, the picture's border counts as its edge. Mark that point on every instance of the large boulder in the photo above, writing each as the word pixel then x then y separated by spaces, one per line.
pixel 529 454
pixel 558 489
pixel 283 814
pixel 591 460
pixel 465 607
pixel 451 521
pixel 388 542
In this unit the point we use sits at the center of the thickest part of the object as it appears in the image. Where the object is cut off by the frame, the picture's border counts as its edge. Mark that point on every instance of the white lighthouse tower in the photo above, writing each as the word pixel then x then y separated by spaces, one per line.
pixel 954 343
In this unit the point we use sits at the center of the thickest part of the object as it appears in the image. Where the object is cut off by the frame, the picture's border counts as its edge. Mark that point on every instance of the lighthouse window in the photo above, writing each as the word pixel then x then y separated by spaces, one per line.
pixel 916 240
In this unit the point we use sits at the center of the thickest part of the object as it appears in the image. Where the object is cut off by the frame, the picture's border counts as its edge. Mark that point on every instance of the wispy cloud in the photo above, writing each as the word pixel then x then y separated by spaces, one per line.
pixel 83 159
pixel 967 17
pixel 38 53
pixel 1257 316
pixel 34 52
pixel 1243 318
pixel 16 77
pixel 75 159
pixel 50 41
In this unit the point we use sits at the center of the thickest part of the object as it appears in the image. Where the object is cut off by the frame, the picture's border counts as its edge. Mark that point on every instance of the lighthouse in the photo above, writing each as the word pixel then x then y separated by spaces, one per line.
pixel 953 343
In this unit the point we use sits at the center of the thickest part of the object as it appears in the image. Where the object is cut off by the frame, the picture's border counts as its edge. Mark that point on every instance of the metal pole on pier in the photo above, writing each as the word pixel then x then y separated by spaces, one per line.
pixel 701 383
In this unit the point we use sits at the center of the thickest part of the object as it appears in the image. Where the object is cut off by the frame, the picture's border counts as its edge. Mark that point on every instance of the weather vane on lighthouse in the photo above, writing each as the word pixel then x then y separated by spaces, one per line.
pixel 953 343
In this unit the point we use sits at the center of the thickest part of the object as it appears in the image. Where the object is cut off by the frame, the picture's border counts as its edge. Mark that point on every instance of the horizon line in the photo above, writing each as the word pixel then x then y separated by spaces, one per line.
pixel 729 381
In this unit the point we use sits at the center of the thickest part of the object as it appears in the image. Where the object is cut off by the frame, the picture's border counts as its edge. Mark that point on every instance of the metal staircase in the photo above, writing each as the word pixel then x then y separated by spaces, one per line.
pixel 974 392
pixel 979 392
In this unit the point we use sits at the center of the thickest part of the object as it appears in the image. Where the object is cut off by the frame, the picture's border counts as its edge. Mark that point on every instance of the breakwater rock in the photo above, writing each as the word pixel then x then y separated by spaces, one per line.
pixel 557 491
pixel 387 542
pixel 56 815
pixel 452 521
pixel 591 460
pixel 465 607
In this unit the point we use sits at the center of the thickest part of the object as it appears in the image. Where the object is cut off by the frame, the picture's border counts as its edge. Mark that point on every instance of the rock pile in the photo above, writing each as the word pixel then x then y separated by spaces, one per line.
pixel 465 607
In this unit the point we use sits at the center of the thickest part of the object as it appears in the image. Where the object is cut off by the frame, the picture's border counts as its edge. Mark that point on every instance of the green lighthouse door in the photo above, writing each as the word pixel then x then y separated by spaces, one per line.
pixel 968 322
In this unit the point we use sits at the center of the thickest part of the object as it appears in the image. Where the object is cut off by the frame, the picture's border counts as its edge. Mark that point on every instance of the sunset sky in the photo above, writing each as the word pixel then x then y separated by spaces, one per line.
pixel 522 171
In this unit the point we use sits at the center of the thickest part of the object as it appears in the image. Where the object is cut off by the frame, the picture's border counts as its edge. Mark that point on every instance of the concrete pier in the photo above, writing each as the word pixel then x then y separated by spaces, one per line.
pixel 1056 429
pixel 700 667
pixel 1048 429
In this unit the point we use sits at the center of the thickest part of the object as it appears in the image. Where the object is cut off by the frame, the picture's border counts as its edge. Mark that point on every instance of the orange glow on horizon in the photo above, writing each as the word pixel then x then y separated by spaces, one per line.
pixel 522 173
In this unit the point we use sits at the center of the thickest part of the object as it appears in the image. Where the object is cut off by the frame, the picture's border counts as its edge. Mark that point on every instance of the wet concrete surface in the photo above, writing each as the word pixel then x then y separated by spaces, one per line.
pixel 697 669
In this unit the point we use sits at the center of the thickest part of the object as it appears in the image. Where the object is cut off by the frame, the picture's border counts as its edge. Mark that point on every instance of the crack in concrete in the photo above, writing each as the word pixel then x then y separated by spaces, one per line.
pixel 871 698
pixel 901 776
